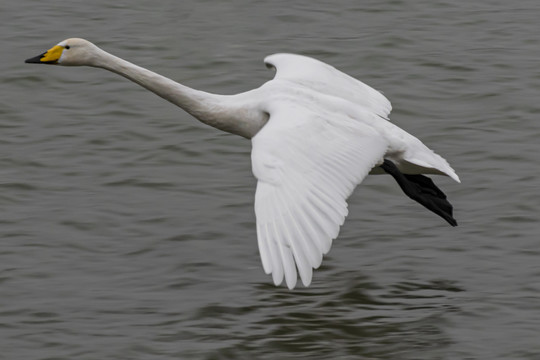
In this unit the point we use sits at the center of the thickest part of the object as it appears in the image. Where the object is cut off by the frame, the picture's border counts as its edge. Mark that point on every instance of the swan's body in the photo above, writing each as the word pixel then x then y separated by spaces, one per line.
pixel 316 134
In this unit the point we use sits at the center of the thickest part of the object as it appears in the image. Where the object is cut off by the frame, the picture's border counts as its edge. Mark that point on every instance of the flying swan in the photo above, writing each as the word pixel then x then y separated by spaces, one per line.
pixel 316 134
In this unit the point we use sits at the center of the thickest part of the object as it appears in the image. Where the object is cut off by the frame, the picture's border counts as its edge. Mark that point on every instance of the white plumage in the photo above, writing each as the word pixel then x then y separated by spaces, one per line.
pixel 316 134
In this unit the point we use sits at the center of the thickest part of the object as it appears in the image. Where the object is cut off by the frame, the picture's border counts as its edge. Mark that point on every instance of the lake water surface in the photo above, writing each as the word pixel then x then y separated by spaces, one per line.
pixel 127 227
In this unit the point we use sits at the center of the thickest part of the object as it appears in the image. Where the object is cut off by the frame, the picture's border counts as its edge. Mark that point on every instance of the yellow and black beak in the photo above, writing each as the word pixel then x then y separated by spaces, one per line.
pixel 51 56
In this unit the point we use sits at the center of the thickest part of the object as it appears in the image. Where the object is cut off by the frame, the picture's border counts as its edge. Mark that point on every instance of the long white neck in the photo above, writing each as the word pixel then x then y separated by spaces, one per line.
pixel 220 111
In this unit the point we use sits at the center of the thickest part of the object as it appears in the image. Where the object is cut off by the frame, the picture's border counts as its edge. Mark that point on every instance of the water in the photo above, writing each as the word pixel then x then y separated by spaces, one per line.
pixel 127 228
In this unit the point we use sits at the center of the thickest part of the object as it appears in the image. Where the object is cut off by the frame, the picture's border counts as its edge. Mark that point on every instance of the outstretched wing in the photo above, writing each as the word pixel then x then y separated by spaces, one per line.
pixel 328 80
pixel 307 163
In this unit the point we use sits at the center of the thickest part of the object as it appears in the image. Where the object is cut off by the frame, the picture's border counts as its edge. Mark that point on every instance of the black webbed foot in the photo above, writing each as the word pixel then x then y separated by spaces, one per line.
pixel 421 189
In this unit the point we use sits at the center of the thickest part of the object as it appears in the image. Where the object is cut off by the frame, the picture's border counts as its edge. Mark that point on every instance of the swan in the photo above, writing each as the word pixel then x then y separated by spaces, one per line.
pixel 316 134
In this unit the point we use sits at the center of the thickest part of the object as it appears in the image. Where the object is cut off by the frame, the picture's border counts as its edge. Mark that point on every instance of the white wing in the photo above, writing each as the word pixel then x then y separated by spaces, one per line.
pixel 328 80
pixel 307 162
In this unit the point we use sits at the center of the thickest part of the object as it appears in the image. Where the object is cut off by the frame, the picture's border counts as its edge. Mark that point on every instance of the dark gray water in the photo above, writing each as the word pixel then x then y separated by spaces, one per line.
pixel 127 228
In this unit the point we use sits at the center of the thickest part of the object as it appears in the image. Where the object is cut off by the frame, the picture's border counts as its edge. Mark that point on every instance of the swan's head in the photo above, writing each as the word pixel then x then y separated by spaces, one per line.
pixel 70 52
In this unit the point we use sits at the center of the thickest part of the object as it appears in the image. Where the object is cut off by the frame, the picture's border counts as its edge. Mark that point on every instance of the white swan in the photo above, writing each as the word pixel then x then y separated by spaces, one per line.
pixel 316 133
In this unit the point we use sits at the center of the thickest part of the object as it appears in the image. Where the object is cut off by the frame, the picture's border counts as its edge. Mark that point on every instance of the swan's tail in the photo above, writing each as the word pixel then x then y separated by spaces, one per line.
pixel 423 160
pixel 412 156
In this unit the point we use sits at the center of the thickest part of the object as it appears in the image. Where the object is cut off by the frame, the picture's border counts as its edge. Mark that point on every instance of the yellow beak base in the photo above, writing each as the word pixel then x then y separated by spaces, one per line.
pixel 51 56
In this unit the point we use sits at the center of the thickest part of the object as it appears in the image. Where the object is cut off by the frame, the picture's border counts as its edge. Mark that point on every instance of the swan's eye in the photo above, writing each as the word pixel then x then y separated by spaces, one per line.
pixel 66 47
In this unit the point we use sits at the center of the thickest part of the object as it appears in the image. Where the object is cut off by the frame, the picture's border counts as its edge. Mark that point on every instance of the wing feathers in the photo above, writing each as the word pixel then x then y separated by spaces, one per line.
pixel 304 268
pixel 305 177
pixel 300 237
pixel 326 131
pixel 262 239
pixel 328 80
pixel 277 267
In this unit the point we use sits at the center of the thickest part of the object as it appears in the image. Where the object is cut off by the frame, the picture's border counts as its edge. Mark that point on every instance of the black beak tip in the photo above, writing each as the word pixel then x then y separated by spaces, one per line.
pixel 34 60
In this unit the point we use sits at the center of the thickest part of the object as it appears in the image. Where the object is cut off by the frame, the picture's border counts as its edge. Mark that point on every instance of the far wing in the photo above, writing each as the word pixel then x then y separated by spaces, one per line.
pixel 307 165
pixel 327 79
